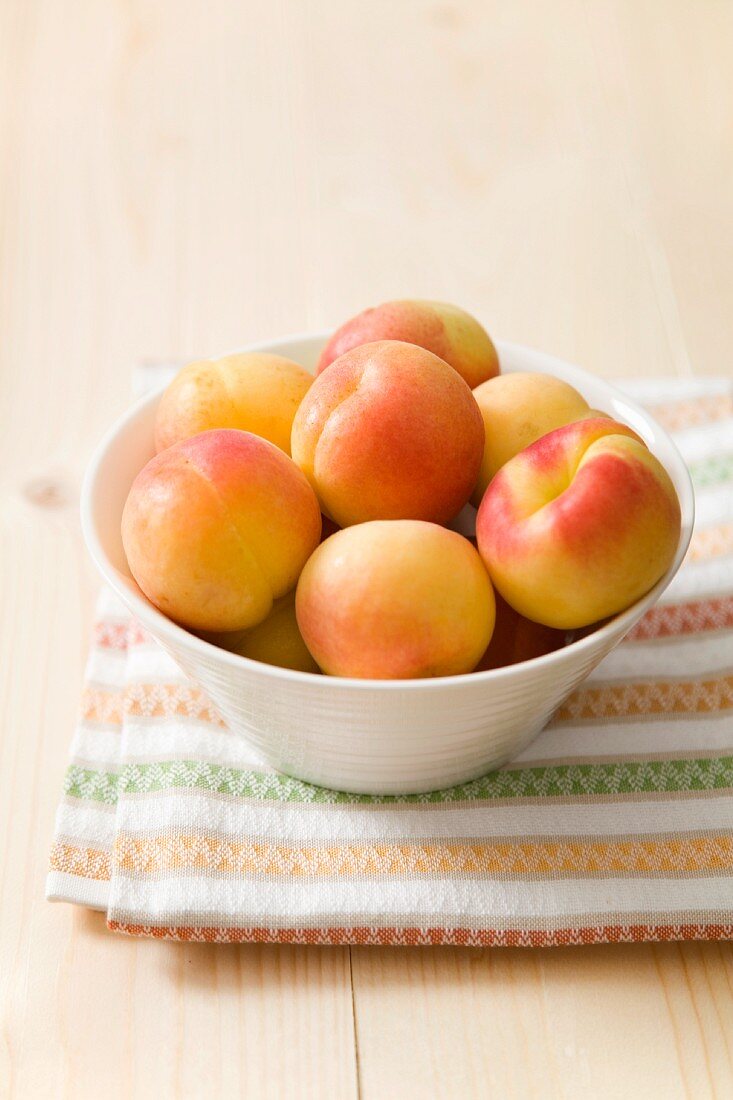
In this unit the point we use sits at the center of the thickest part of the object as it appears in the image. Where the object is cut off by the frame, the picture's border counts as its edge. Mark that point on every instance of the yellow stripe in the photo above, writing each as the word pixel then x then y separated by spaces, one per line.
pixel 633 699
pixel 610 701
pixel 154 855
pixel 83 862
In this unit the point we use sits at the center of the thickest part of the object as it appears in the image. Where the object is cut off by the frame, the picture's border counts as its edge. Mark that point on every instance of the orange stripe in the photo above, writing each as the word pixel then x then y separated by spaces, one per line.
pixel 684 618
pixel 102 705
pixel 148 701
pixel 634 699
pixel 711 542
pixel 170 701
pixel 424 937
pixel 91 863
pixel 152 855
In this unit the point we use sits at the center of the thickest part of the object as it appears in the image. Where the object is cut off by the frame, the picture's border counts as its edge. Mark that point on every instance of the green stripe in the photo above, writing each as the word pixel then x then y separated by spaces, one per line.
pixel 92 786
pixel 712 471
pixel 569 780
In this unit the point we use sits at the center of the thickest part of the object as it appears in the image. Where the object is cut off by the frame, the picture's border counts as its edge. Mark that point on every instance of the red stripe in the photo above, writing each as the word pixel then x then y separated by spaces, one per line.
pixel 430 937
pixel 118 635
pixel 684 618
pixel 692 411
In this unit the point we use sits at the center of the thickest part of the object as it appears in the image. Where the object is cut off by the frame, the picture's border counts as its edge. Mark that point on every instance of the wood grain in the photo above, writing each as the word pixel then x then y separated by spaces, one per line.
pixel 179 178
pixel 574 1022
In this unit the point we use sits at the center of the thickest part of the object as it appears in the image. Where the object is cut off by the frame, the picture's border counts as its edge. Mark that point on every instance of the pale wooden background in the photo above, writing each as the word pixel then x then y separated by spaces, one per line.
pixel 180 178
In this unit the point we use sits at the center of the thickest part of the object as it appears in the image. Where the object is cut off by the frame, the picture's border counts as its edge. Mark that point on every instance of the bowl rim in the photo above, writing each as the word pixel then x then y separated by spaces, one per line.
pixel 181 638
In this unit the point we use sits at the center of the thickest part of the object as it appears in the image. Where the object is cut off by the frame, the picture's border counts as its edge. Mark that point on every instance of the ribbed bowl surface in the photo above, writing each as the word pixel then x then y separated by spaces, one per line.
pixel 366 736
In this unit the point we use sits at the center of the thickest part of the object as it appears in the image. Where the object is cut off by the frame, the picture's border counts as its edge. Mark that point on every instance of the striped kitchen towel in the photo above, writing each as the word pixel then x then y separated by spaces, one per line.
pixel 615 825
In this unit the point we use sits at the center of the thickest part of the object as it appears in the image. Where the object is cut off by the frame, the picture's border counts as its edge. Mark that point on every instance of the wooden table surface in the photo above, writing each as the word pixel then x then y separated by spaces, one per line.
pixel 181 178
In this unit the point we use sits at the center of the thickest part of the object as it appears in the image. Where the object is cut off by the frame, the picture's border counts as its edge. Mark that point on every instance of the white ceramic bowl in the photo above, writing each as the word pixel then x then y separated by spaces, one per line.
pixel 372 736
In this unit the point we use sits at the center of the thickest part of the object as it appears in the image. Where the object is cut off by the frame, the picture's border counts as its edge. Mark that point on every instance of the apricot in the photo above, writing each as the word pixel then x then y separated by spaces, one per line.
pixel 579 525
pixel 275 641
pixel 395 599
pixel 447 331
pixel 217 527
pixel 518 409
pixel 254 392
pixel 389 431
